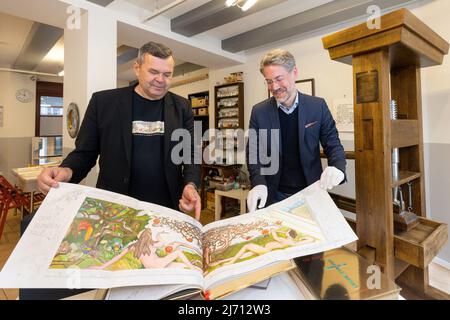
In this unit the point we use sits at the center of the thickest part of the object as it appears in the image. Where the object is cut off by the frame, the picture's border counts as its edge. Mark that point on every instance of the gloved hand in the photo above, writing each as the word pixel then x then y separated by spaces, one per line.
pixel 257 193
pixel 331 177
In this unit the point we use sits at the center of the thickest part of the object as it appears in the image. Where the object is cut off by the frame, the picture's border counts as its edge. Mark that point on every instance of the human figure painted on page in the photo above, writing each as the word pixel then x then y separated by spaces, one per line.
pixel 145 249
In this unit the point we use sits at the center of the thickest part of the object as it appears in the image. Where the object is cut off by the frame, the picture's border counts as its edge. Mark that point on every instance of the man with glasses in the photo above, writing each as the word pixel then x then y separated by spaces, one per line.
pixel 300 122
pixel 130 129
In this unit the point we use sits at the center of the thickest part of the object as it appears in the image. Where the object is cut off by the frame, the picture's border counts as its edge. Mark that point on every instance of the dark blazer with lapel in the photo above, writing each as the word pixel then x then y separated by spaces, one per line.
pixel 316 125
pixel 106 132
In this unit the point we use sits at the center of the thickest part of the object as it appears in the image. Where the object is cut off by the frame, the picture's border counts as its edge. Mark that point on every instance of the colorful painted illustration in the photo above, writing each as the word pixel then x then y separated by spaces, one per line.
pixel 110 236
pixel 235 243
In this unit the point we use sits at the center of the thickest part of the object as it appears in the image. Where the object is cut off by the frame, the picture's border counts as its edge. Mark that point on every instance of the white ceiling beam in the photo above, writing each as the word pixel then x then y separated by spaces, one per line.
pixel 214 14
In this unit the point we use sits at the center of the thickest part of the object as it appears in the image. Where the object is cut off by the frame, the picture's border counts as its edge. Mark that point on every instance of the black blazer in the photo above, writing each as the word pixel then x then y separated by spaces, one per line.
pixel 316 125
pixel 106 131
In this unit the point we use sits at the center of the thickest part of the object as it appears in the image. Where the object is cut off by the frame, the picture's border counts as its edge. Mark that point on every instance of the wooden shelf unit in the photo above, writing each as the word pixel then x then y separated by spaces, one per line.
pixel 200 108
pixel 199 101
pixel 229 93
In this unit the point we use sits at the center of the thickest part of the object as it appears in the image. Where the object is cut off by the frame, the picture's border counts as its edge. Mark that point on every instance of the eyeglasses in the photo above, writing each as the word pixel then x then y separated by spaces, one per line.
pixel 278 80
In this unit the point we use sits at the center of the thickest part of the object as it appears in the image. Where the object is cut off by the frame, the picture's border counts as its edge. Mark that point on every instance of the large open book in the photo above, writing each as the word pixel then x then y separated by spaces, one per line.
pixel 83 237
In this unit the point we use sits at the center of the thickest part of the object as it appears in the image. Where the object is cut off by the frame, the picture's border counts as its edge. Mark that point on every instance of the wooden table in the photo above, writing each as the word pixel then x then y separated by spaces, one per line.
pixel 238 194
pixel 227 171
pixel 26 180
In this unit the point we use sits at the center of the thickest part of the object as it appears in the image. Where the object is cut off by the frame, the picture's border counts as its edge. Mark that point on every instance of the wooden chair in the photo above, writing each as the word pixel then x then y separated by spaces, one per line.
pixel 10 198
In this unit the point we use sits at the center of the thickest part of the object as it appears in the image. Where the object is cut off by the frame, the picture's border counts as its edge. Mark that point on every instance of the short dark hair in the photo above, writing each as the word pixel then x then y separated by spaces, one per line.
pixel 155 49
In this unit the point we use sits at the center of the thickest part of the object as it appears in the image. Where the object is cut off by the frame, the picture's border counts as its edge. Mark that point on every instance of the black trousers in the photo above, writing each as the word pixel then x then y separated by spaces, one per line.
pixel 43 294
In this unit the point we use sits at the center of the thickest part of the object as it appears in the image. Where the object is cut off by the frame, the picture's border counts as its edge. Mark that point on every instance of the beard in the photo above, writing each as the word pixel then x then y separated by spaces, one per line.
pixel 281 96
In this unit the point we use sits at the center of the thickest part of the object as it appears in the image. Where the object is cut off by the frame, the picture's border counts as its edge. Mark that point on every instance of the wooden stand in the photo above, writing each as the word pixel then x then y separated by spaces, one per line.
pixel 386 66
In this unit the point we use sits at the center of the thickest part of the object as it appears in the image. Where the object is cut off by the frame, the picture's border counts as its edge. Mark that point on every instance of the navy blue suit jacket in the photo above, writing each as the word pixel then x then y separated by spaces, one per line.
pixel 316 125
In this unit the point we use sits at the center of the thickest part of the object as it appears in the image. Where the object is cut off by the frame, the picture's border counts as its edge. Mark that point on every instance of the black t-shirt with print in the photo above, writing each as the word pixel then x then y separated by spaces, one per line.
pixel 148 180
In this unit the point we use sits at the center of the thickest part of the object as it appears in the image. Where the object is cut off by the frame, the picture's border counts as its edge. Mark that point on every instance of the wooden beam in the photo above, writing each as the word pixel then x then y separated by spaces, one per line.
pixel 393 20
pixel 190 80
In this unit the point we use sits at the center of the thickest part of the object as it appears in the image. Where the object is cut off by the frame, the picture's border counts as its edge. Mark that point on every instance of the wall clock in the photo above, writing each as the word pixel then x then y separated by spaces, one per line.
pixel 24 95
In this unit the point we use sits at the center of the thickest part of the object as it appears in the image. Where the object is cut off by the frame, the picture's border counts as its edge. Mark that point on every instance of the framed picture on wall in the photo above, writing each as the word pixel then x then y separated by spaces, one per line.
pixel 305 86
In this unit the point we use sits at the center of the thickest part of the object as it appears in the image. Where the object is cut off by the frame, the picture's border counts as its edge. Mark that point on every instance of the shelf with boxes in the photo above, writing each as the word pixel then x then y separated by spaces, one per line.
pixel 229 102
pixel 199 103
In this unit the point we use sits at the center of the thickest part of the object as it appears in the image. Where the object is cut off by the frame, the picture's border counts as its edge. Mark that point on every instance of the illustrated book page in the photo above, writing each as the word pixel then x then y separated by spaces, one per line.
pixel 83 237
pixel 305 223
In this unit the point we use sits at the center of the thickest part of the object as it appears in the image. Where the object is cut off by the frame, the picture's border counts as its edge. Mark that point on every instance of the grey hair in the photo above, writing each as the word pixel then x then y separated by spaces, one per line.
pixel 155 49
pixel 278 57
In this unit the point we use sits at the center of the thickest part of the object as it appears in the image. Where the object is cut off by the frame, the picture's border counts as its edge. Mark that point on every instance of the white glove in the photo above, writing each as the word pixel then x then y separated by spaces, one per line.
pixel 331 177
pixel 257 193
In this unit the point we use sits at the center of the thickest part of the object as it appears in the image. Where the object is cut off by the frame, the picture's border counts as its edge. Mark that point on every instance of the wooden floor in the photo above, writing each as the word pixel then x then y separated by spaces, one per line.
pixel 439 276
pixel 8 241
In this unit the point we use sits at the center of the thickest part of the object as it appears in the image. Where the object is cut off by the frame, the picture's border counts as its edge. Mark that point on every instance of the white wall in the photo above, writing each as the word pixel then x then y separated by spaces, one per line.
pixel 435 80
pixel 436 116
pixel 18 117
pixel 313 62
pixel 75 73
pixel 192 87
pixel 90 62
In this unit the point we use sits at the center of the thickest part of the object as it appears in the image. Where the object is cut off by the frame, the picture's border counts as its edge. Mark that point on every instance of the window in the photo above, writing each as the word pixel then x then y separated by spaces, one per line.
pixel 51 106
pixel 49 109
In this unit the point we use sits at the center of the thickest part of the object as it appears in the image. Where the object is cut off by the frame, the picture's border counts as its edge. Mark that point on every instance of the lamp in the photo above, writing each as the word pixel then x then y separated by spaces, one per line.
pixel 247 5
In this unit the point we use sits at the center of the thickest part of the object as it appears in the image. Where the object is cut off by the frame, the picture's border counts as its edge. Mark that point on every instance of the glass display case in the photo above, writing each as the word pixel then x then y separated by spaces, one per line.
pixel 46 150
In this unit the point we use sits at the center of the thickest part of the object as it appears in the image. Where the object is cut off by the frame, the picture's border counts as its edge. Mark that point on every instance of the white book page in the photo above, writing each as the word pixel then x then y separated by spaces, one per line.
pixel 305 223
pixel 79 231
